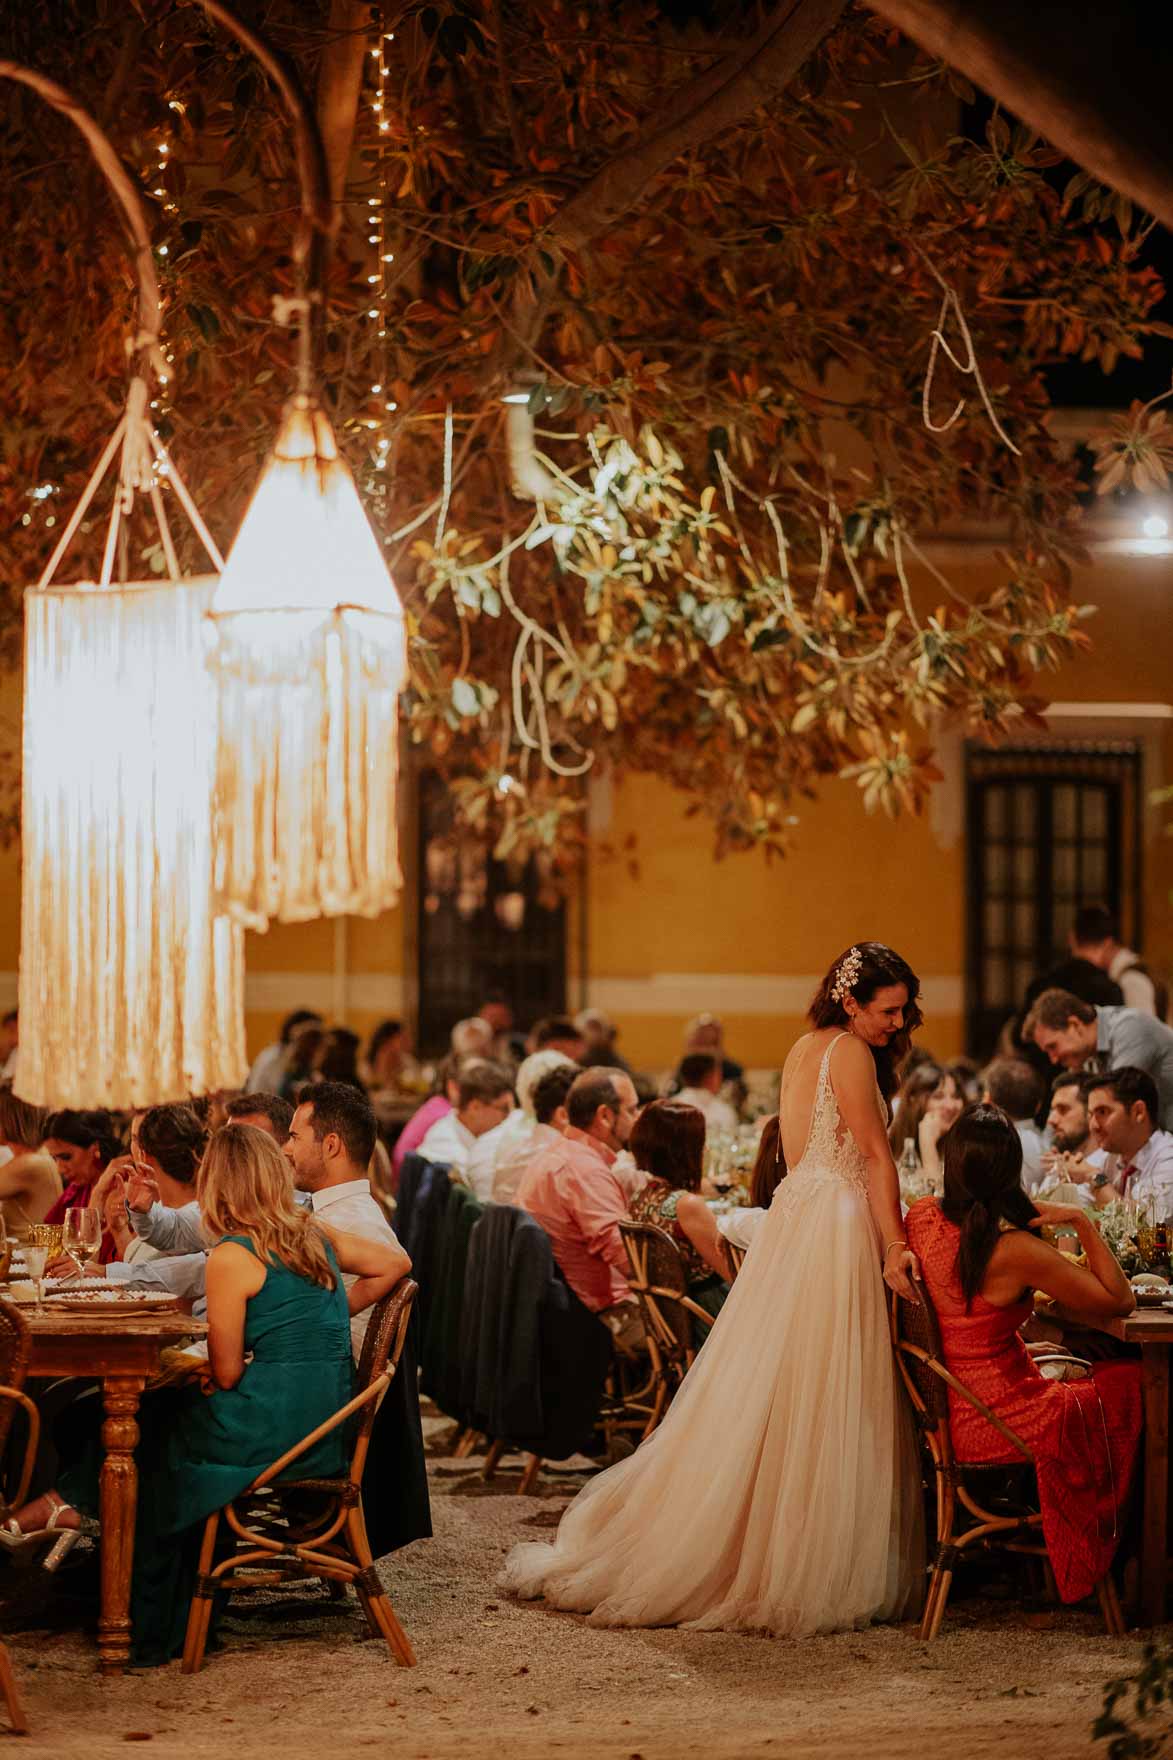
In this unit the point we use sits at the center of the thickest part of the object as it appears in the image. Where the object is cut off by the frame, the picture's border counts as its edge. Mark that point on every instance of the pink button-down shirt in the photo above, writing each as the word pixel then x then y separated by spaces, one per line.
pixel 570 1189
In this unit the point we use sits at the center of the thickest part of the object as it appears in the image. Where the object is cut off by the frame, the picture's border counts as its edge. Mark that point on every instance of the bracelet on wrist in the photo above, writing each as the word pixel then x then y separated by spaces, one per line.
pixel 895 1243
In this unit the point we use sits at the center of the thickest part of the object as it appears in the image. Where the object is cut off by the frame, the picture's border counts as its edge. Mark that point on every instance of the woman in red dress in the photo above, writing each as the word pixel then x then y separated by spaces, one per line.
pixel 981 1259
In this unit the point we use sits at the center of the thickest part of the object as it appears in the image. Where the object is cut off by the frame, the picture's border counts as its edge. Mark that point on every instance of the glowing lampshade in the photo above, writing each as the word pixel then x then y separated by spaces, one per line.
pixel 310 657
pixel 131 988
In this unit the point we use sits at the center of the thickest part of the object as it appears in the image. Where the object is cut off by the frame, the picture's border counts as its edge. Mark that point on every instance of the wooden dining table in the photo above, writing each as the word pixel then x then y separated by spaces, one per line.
pixel 121 1349
pixel 1152 1330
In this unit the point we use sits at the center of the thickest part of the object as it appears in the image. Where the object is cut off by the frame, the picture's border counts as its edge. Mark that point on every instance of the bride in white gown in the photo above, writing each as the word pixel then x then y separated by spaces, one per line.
pixel 781 1493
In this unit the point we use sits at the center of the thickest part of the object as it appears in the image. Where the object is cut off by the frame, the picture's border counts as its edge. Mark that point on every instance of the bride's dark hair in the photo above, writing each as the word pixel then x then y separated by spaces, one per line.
pixel 982 1156
pixel 870 966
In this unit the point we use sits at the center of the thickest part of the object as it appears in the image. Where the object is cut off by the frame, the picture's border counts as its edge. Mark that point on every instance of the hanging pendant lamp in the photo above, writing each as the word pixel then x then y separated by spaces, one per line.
pixel 309 650
pixel 131 987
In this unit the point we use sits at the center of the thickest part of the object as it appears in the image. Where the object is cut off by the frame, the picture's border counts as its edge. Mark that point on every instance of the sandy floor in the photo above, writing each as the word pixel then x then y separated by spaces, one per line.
pixel 299 1677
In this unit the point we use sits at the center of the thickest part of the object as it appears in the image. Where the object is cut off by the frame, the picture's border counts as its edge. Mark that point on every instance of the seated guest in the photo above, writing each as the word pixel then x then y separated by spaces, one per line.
pixel 83 1144
pixel 668 1143
pixel 328 1146
pixel 700 1087
pixel 599 1033
pixel 268 1072
pixel 927 1103
pixel 1073 1156
pixel 276 1297
pixel 438 1103
pixel 543 1082
pixel 1014 1086
pixel 1076 1035
pixel 30 1184
pixel 981 1260
pixel 168 1143
pixel 484 1096
pixel 301 1058
pixel 571 1189
pixel 265 1112
pixel 506 1046
pixel 966 1075
pixel 558 1033
pixel 1122 1109
pixel 472 1038
pixel 769 1170
pixel 389 1068
pixel 337 1058
pixel 706 1033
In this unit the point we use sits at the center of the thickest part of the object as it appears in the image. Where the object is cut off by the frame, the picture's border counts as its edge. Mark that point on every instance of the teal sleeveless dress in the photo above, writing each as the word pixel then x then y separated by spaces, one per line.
pixel 198 1451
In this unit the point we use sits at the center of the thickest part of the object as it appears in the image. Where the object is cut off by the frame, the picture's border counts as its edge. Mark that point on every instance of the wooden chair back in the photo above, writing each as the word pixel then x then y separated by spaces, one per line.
pixel 916 1340
pixel 658 1282
pixel 15 1348
pixel 734 1258
pixel 381 1351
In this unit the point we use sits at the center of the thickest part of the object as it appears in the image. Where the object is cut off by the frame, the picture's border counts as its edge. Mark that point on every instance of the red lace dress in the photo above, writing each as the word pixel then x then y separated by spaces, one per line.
pixel 1083 1434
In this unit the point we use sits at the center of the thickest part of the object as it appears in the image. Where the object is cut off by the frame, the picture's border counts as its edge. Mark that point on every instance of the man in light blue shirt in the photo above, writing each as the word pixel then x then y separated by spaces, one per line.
pixel 1076 1035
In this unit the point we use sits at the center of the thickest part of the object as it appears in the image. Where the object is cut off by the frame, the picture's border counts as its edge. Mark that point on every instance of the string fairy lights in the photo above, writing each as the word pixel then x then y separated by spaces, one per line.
pixel 379 256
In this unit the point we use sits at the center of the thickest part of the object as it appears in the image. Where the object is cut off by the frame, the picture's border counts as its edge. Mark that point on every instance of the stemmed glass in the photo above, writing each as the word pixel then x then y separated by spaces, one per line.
pixel 35 1258
pixel 83 1235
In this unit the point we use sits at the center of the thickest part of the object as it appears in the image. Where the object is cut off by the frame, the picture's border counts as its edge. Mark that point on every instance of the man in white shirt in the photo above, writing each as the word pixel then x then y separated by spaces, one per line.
pixel 484 1099
pixel 1122 1106
pixel 700 1085
pixel 1093 937
pixel 330 1143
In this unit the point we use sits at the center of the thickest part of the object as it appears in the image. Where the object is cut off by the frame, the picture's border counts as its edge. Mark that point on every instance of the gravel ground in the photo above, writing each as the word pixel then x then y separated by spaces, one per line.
pixel 298 1676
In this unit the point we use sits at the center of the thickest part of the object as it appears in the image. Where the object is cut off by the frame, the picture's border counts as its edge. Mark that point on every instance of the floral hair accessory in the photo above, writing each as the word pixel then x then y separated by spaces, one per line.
pixel 847 975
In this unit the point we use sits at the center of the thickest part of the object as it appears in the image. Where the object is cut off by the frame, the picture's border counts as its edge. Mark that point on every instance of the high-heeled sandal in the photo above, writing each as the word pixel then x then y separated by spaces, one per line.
pixel 66 1538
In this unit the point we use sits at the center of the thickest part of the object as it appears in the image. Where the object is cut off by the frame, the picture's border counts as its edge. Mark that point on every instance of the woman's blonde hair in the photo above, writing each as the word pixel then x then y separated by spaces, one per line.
pixel 245 1186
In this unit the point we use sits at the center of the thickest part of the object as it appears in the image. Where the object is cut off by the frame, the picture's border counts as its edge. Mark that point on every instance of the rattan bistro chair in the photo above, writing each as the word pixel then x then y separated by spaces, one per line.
pixel 734 1258
pixel 299 1528
pixel 14 1361
pixel 979 1506
pixel 658 1282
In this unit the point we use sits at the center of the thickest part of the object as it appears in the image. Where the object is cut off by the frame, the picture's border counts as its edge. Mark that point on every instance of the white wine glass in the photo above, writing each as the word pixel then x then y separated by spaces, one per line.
pixel 36 1258
pixel 83 1235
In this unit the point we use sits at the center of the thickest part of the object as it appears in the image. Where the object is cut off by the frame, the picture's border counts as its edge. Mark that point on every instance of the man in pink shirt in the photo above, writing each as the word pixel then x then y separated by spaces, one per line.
pixel 569 1187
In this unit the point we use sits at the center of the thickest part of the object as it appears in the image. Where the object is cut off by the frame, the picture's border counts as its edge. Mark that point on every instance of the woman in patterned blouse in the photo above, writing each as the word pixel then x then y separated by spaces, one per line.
pixel 668 1143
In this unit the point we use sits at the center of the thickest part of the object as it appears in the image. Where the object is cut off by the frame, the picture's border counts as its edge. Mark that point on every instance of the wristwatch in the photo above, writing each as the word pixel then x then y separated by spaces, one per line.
pixel 1098 1180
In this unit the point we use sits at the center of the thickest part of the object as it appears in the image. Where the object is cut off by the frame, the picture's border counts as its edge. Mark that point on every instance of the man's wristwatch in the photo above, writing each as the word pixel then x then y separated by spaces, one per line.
pixel 1098 1180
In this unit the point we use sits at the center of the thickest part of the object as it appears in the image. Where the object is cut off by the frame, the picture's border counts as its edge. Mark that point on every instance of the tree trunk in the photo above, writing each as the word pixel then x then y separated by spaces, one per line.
pixel 1091 78
pixel 340 86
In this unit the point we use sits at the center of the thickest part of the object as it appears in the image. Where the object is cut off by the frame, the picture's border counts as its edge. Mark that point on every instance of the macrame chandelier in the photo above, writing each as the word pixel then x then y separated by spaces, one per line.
pixel 131 986
pixel 309 652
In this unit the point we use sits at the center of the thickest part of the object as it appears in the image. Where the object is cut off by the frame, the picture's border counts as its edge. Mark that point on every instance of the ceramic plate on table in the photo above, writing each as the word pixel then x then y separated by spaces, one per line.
pixel 107 1300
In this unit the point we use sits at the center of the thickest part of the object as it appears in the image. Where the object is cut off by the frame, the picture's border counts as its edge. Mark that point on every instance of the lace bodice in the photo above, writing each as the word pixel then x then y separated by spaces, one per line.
pixel 831 1151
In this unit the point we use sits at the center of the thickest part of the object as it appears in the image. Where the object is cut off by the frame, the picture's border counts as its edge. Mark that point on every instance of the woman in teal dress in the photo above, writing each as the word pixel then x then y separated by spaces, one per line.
pixel 279 1364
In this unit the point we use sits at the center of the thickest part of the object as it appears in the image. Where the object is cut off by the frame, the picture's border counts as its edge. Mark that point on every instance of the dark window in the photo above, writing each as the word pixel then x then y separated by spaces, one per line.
pixel 484 925
pixel 1049 828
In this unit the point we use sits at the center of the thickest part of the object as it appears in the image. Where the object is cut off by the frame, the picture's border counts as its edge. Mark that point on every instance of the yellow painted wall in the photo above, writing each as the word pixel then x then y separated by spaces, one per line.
pixel 744 929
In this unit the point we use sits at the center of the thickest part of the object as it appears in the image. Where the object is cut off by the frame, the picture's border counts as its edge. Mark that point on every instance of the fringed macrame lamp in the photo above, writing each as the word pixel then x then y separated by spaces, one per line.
pixel 131 986
pixel 309 653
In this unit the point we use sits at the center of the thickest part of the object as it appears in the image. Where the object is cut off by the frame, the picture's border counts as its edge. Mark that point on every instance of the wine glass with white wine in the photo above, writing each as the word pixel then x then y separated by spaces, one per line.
pixel 83 1235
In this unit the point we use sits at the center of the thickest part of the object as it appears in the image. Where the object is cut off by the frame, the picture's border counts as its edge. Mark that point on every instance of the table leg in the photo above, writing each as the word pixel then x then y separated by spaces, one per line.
pixel 1154 1545
pixel 118 1501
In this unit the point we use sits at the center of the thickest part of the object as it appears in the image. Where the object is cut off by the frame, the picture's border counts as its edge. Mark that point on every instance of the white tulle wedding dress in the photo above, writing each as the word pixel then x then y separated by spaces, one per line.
pixel 781 1492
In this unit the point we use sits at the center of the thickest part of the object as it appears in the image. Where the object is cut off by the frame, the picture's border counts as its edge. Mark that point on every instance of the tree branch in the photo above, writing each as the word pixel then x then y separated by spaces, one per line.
pixel 756 71
pixel 340 86
pixel 1084 75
